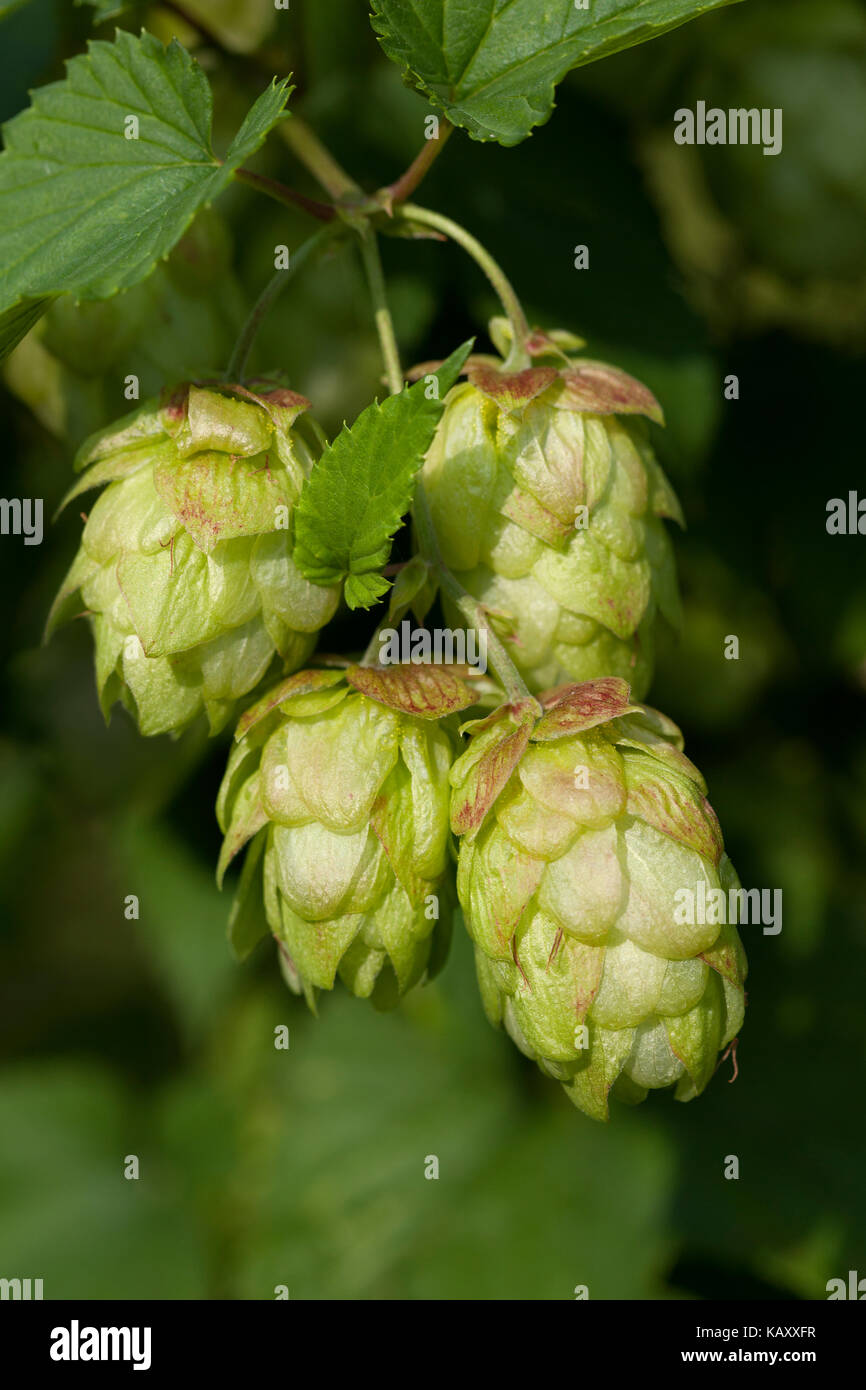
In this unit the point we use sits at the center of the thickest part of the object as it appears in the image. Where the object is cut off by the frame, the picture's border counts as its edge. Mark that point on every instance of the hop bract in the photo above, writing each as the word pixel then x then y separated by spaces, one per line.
pixel 547 502
pixel 586 834
pixel 185 567
pixel 344 796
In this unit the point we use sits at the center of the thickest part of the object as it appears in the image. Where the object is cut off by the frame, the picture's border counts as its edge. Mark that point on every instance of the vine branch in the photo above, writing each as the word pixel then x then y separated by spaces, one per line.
pixel 289 197
pixel 315 157
pixel 518 356
pixel 268 297
pixel 404 187
pixel 384 322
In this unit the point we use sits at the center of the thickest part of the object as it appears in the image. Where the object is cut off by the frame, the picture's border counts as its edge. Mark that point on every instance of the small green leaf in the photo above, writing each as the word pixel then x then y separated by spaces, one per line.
pixel 492 67
pixel 262 116
pixel 364 590
pixel 90 200
pixel 361 488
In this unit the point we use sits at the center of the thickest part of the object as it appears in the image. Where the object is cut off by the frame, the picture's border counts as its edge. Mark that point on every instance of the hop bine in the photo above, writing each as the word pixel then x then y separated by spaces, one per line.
pixel 547 502
pixel 340 782
pixel 579 829
pixel 185 566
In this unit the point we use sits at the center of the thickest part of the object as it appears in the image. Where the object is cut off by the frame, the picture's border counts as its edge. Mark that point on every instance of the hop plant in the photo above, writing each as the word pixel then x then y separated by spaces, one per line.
pixel 185 567
pixel 580 829
pixel 227 530
pixel 341 783
pixel 547 501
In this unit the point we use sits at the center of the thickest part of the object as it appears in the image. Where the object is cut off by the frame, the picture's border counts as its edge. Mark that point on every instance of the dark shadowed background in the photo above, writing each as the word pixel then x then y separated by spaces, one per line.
pixel 306 1168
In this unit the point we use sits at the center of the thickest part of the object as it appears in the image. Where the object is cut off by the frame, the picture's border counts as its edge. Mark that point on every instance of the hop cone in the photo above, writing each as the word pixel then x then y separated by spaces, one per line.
pixel 580 830
pixel 345 799
pixel 185 566
pixel 547 501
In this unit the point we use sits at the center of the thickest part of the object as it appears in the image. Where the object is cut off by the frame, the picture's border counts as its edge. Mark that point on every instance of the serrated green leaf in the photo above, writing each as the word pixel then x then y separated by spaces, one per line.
pixel 492 66
pixel 363 590
pixel 361 488
pixel 84 209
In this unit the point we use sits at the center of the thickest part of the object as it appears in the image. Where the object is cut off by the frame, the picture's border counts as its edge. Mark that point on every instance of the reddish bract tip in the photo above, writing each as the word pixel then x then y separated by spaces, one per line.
pixel 427 692
pixel 174 404
pixel 488 777
pixel 573 708
pixel 602 390
pixel 511 390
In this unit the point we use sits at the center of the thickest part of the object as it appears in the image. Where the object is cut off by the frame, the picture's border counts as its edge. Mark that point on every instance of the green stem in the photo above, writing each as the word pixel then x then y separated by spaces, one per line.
pixel 371 654
pixel 266 300
pixel 509 677
pixel 308 148
pixel 405 186
pixel 289 197
pixel 393 615
pixel 518 357
pixel 390 356
pixel 384 322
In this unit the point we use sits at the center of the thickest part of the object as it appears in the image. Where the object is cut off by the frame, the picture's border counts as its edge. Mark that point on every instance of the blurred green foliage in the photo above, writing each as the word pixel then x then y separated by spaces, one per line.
pixel 305 1167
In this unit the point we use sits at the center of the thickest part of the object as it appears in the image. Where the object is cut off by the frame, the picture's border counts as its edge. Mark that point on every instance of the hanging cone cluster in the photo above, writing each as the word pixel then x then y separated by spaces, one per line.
pixel 584 830
pixel 581 831
pixel 185 567
pixel 548 505
pixel 340 780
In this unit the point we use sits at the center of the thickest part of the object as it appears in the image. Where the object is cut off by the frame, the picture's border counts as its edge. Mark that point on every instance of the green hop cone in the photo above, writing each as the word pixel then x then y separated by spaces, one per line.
pixel 581 830
pixel 547 501
pixel 340 782
pixel 185 566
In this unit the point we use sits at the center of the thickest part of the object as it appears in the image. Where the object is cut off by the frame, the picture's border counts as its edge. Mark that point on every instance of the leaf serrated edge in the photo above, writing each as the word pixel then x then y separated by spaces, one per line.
pixel 32 315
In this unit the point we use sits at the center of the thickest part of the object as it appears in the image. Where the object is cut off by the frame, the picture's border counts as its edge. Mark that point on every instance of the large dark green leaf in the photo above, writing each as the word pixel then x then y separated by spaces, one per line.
pixel 86 210
pixel 492 66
